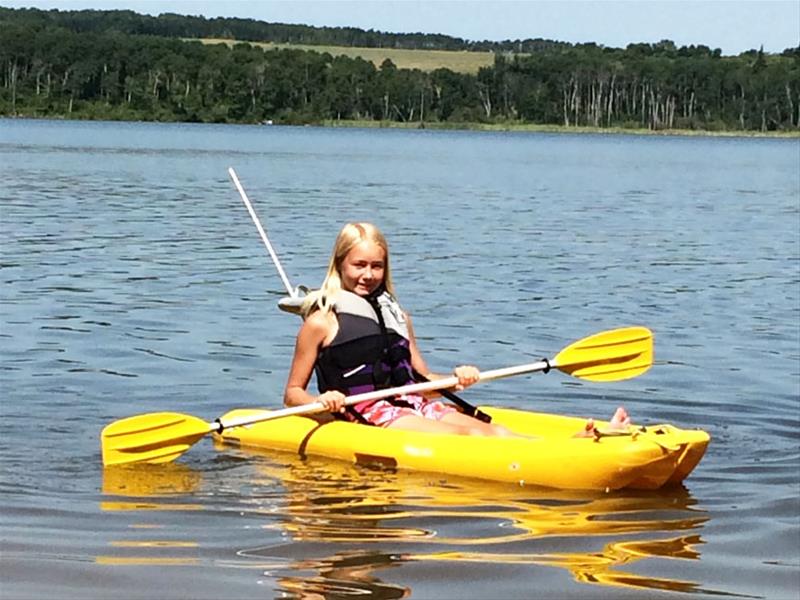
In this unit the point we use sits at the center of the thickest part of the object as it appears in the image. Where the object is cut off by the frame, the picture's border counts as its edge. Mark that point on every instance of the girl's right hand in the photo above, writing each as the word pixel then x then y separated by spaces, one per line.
pixel 333 401
pixel 467 375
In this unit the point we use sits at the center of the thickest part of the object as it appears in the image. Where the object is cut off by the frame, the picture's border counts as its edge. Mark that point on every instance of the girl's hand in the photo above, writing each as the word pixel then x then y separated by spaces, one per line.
pixel 333 401
pixel 467 375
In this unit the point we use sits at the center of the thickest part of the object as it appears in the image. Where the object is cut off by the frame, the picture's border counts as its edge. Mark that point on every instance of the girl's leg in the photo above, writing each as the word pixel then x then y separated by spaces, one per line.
pixel 475 426
pixel 460 424
pixel 425 425
pixel 453 423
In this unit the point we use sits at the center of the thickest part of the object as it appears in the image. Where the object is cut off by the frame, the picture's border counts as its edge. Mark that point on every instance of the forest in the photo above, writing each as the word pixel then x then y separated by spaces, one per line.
pixel 119 65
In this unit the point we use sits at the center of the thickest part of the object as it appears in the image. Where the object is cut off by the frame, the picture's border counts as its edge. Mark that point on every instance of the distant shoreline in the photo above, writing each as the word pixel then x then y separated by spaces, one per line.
pixel 533 128
pixel 438 126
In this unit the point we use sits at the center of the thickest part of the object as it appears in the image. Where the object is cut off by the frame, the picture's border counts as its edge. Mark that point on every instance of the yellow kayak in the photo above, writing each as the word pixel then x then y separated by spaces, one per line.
pixel 638 458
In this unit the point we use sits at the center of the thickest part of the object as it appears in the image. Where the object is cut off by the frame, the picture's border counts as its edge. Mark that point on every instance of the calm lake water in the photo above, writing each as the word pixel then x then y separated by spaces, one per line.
pixel 133 280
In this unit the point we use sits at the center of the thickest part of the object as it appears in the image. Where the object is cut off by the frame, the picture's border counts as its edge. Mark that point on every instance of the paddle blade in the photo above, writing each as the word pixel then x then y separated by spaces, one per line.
pixel 608 356
pixel 150 438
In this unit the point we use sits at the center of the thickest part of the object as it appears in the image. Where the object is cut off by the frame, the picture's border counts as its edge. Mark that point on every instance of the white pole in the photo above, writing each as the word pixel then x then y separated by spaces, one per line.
pixel 292 292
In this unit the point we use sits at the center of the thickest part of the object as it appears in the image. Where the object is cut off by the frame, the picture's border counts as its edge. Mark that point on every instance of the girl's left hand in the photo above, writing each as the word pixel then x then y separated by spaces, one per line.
pixel 467 375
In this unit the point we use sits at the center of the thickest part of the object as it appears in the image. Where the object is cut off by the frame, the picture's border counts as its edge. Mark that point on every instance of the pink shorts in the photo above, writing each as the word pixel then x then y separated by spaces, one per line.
pixel 383 413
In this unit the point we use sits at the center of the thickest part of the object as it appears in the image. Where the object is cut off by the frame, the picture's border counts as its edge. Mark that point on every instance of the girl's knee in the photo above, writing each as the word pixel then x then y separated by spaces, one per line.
pixel 500 431
pixel 482 429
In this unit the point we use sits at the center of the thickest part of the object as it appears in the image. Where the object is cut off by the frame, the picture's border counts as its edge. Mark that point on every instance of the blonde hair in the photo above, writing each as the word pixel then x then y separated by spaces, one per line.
pixel 349 237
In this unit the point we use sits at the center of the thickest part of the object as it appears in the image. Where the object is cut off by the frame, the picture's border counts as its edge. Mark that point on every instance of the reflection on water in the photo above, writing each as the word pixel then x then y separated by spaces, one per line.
pixel 305 508
pixel 598 567
pixel 150 480
pixel 124 483
pixel 150 488
pixel 325 503
pixel 343 575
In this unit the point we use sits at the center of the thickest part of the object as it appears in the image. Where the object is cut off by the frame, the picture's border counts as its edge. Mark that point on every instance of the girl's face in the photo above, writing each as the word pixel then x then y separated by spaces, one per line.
pixel 363 268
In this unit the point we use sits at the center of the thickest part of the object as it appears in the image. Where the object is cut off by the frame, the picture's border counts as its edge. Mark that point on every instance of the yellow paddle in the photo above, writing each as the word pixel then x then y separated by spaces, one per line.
pixel 162 437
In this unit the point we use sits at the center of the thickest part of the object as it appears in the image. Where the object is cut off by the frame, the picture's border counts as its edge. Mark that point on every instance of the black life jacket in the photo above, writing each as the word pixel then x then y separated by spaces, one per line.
pixel 371 352
pixel 371 349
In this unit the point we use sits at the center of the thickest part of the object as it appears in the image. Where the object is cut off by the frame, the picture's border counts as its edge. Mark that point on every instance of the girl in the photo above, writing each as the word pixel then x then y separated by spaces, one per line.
pixel 357 338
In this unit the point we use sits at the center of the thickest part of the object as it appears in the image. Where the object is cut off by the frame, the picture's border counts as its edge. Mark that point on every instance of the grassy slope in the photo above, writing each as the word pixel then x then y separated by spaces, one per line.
pixel 424 60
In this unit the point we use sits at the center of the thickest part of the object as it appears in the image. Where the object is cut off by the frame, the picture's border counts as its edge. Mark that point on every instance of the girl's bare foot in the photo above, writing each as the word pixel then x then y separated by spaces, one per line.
pixel 620 421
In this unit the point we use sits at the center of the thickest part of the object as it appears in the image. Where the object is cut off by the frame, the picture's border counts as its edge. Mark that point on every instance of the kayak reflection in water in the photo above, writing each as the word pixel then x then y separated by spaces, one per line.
pixel 357 339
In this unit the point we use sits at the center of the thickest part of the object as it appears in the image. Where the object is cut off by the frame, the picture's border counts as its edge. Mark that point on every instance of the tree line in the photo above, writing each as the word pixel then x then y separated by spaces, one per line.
pixel 185 26
pixel 88 64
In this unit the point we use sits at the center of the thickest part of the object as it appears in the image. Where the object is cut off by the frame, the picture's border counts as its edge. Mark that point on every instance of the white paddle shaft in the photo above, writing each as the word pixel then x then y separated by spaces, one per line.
pixel 262 233
pixel 414 388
